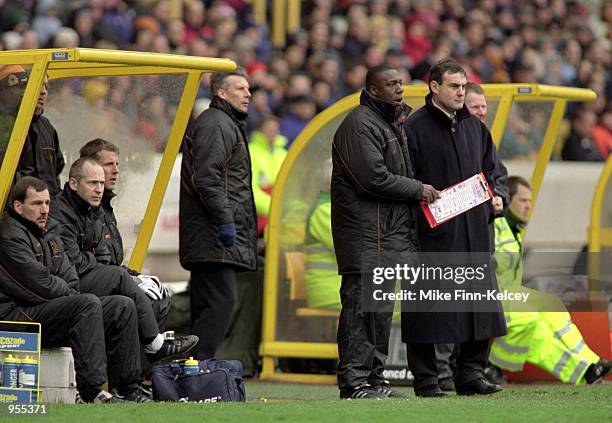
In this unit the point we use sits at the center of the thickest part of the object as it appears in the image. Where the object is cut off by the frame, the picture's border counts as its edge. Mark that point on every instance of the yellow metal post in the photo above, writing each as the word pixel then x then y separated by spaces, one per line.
pixel 293 15
pixel 259 9
pixel 279 19
pixel 165 170
pixel 501 117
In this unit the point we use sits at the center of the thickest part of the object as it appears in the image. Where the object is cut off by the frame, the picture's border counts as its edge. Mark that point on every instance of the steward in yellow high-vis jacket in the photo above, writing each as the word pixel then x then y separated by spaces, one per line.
pixel 548 340
pixel 267 149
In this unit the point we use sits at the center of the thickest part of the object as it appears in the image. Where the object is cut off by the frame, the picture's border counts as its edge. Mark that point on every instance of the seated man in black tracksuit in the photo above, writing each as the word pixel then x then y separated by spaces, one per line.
pixel 107 155
pixel 39 284
pixel 82 222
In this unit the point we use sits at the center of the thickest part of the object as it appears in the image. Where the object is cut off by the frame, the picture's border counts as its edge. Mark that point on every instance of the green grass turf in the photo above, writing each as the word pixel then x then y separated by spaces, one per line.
pixel 281 402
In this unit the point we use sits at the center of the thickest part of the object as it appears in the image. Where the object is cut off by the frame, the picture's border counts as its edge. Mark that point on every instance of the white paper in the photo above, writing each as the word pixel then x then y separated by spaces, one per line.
pixel 459 198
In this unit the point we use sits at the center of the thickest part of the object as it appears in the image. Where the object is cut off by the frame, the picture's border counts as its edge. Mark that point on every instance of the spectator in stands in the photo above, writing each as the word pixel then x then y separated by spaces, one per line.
pixel 84 237
pixel 267 149
pixel 302 109
pixel 107 156
pixel 547 339
pixel 217 217
pixel 581 145
pixel 602 132
pixel 371 172
pixel 440 133
pixel 38 281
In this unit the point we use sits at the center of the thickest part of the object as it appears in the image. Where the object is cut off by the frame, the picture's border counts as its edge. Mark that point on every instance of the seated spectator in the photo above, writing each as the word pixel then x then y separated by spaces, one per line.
pixel 321 278
pixel 267 150
pixel 548 340
pixel 37 280
pixel 83 235
pixel 581 145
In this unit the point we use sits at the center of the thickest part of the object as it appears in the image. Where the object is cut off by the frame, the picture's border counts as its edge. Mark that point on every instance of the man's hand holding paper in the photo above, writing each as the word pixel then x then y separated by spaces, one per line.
pixel 457 199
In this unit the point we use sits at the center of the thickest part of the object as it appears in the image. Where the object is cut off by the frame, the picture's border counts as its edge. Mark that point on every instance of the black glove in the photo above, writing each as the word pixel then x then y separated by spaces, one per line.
pixel 227 234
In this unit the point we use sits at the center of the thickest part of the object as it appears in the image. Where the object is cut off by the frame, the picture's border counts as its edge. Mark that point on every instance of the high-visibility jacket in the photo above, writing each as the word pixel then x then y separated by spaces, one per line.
pixel 548 340
pixel 322 279
pixel 266 162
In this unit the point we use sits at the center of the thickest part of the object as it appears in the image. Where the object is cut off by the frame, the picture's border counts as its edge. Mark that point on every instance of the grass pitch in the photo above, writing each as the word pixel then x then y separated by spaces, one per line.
pixel 283 402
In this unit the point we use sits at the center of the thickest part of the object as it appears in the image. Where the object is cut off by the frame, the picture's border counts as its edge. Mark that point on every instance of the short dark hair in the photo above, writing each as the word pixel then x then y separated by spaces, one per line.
pixel 448 65
pixel 93 147
pixel 374 73
pixel 76 170
pixel 20 189
pixel 472 87
pixel 514 182
pixel 218 80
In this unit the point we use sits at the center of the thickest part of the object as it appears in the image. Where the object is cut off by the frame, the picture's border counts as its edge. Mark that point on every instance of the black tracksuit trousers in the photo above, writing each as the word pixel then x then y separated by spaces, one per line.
pixel 212 290
pixel 115 280
pixel 100 331
pixel 363 338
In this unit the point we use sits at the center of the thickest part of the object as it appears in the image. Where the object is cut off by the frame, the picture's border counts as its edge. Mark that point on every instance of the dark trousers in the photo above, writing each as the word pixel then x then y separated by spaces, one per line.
pixel 99 331
pixel 114 280
pixel 213 295
pixel 471 360
pixel 446 360
pixel 363 338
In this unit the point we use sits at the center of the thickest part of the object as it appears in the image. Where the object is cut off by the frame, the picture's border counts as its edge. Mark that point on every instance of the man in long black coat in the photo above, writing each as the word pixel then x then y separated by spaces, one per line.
pixel 448 145
pixel 374 199
pixel 217 221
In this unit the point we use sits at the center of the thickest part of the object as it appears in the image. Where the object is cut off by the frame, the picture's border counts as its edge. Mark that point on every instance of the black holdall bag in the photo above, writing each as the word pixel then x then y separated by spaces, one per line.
pixel 217 381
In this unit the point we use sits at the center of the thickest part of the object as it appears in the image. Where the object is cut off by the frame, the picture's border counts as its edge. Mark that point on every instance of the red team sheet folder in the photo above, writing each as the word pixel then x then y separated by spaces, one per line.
pixel 457 199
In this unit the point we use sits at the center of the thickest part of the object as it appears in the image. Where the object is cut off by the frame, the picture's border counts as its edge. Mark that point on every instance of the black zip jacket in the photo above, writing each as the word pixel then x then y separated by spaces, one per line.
pixel 33 265
pixel 373 194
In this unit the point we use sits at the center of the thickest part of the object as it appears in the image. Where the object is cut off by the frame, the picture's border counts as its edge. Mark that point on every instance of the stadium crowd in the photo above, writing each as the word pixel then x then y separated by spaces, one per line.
pixel 556 42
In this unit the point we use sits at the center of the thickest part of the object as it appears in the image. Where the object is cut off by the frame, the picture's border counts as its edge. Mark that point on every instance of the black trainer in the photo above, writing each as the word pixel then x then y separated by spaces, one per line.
pixel 139 396
pixel 173 346
pixel 385 389
pixel 361 392
pixel 597 371
pixel 103 397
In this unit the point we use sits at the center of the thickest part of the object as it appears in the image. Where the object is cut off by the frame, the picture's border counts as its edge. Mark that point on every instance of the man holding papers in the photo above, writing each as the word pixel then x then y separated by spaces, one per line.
pixel 448 146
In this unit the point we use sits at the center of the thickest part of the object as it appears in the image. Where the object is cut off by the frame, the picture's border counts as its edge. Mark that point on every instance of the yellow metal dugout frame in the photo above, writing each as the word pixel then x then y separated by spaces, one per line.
pixel 82 62
pixel 271 347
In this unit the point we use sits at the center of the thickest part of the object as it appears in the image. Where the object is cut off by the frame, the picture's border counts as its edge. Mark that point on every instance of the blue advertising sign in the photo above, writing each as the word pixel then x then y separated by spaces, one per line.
pixel 18 341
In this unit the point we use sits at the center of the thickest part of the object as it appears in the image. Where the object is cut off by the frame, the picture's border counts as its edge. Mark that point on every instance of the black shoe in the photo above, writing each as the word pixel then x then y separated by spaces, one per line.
pixel 139 396
pixel 597 371
pixel 385 389
pixel 430 391
pixel 361 392
pixel 173 346
pixel 447 384
pixel 102 397
pixel 494 375
pixel 478 387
